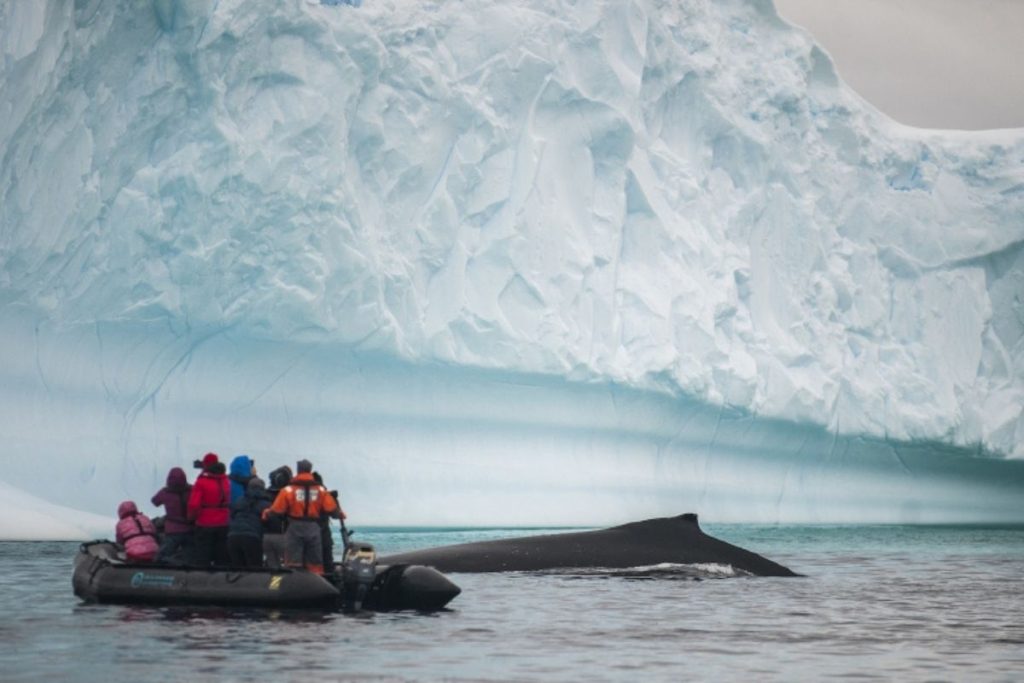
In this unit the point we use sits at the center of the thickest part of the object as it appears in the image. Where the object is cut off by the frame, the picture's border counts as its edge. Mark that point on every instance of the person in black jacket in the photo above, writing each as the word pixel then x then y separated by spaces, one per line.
pixel 275 526
pixel 326 539
pixel 245 530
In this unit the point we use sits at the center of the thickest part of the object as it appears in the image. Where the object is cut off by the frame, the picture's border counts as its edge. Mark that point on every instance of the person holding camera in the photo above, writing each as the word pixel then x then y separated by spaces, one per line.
pixel 209 508
pixel 274 526
pixel 177 544
pixel 245 531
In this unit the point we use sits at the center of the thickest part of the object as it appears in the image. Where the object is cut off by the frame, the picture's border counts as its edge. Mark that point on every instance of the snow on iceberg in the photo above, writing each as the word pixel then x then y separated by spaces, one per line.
pixel 500 262
pixel 29 518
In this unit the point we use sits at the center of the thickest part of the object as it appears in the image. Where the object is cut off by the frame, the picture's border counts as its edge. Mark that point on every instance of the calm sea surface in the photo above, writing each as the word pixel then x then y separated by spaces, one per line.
pixel 878 603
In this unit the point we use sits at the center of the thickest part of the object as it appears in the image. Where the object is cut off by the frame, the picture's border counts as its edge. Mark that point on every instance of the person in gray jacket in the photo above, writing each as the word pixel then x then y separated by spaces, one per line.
pixel 245 530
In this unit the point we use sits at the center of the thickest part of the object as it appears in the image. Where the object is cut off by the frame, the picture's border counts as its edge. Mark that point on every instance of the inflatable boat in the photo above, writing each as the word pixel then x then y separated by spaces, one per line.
pixel 102 575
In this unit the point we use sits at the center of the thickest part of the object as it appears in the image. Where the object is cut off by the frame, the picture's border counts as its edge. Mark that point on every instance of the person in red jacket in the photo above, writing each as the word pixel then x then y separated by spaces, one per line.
pixel 209 507
pixel 303 501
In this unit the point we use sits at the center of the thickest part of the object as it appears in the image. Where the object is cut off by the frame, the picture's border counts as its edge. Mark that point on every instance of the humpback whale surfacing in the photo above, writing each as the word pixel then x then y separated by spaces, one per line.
pixel 676 540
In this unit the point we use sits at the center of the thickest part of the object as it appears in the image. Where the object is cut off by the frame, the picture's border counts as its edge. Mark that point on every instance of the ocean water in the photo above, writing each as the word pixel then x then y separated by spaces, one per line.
pixel 877 603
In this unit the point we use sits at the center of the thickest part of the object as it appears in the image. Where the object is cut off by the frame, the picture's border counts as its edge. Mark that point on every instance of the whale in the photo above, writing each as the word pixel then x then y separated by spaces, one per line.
pixel 666 540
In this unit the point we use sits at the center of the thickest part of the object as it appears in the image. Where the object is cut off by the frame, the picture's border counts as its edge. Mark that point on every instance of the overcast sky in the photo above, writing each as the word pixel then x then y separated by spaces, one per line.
pixel 931 63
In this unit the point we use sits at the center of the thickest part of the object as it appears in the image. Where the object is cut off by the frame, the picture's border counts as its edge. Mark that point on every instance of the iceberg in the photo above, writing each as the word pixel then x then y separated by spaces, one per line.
pixel 29 518
pixel 498 263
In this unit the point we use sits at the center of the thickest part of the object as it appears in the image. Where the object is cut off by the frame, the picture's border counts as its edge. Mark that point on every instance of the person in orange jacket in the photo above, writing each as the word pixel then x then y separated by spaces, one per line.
pixel 303 501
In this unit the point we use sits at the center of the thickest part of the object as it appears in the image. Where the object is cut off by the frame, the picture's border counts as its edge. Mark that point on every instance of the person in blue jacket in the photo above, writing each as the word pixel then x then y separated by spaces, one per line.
pixel 242 469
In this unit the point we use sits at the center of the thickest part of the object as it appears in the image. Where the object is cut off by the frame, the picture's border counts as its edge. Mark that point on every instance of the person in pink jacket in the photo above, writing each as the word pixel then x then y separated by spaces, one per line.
pixel 136 533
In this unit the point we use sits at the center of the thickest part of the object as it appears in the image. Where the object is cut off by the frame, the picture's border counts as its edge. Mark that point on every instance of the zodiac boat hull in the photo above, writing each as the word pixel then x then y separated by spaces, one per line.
pixel 100 576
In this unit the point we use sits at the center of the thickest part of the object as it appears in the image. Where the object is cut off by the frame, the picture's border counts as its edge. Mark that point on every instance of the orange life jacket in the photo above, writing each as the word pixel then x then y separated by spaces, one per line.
pixel 305 499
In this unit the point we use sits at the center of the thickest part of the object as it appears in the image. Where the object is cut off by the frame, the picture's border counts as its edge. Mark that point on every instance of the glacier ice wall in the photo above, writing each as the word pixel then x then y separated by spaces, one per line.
pixel 500 263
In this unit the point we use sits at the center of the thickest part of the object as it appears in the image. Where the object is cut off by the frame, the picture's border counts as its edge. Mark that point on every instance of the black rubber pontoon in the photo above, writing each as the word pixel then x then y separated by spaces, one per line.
pixel 101 576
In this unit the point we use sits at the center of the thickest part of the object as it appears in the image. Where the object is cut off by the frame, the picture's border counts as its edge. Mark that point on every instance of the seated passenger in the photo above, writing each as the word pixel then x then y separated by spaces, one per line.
pixel 245 531
pixel 136 533
pixel 177 543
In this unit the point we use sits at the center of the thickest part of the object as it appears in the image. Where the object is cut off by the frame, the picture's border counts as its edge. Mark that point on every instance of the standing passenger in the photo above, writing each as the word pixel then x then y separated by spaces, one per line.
pixel 242 469
pixel 274 525
pixel 326 539
pixel 177 543
pixel 245 532
pixel 303 501
pixel 136 533
pixel 208 507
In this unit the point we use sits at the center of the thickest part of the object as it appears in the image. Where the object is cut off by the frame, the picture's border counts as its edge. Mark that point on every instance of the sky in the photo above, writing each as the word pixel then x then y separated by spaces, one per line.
pixel 928 63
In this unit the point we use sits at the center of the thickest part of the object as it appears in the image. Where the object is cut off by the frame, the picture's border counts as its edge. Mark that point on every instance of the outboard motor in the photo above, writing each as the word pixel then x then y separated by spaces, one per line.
pixel 358 571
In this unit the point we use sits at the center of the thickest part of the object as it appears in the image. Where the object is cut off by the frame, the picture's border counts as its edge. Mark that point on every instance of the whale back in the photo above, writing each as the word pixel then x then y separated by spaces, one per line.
pixel 675 540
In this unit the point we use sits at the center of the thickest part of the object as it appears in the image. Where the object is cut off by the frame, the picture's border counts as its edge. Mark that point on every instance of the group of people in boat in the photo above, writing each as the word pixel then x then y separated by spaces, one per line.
pixel 229 517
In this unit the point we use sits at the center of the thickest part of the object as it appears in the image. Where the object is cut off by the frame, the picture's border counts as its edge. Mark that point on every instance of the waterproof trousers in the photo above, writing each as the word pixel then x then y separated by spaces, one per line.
pixel 211 546
pixel 176 549
pixel 245 551
pixel 273 549
pixel 302 545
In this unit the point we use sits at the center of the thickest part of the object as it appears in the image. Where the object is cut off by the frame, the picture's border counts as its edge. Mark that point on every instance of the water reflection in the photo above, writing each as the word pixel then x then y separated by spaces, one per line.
pixel 250 614
pixel 906 603
pixel 665 572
